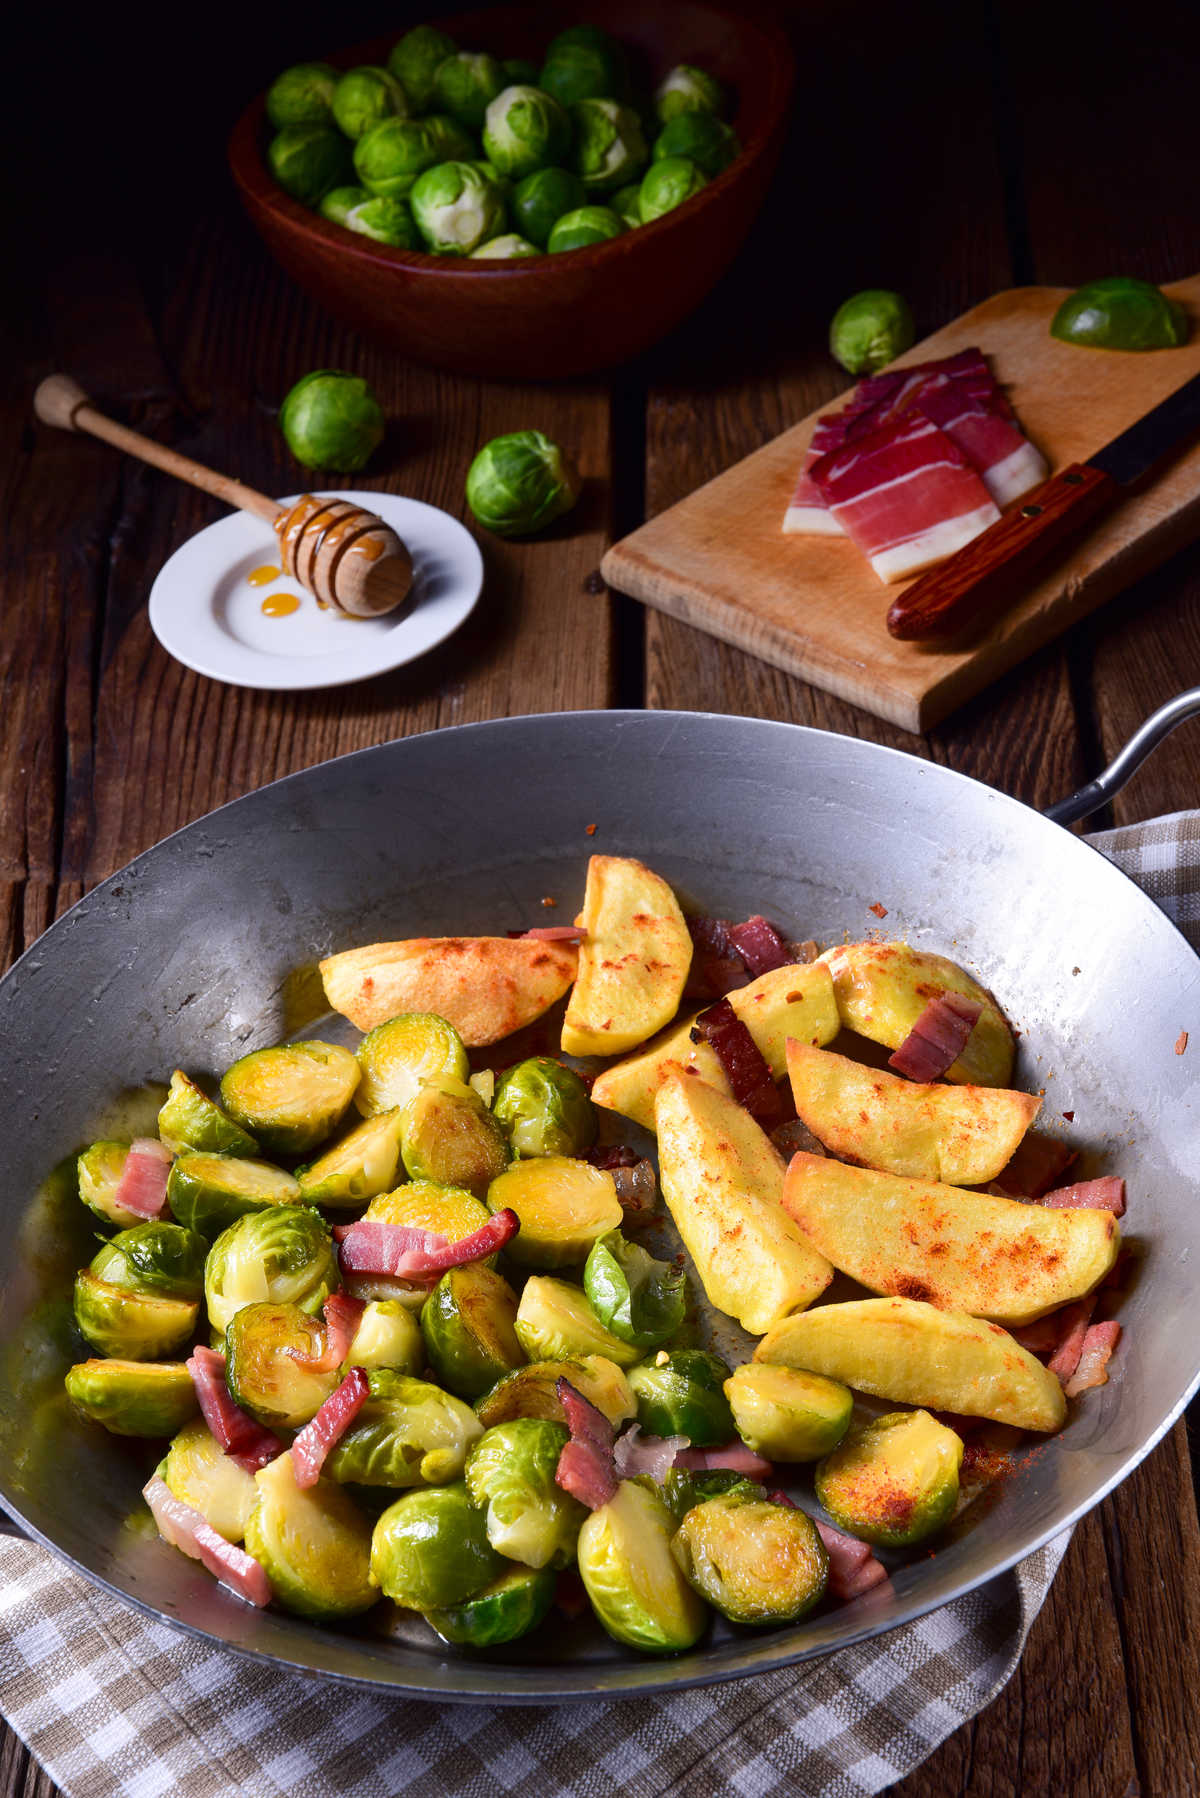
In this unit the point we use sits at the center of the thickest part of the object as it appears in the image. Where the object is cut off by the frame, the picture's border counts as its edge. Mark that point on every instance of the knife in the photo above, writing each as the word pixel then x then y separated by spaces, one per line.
pixel 975 584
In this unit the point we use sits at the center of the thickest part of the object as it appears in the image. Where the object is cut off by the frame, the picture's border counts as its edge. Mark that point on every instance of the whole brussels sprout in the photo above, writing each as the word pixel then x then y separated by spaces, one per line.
pixel 456 208
pixel 280 1256
pixel 627 204
pixel 893 1481
pixel 365 95
pixel 520 483
pixel 302 95
pixel 384 220
pixel 189 1119
pixel 360 1167
pixel 447 1134
pixel 339 202
pixel 639 1299
pixel 532 1391
pixel 510 1607
pixel 198 1471
pixel 544 1107
pixel 562 1206
pixel 307 160
pixel 408 1433
pixel 540 200
pixel 870 329
pixel 510 1474
pixel 755 1562
pixel 467 1323
pixel 133 1398
pixel 688 89
pixel 293 1097
pixel 702 138
pixel 330 419
pixel 451 141
pixel 631 1577
pixel 666 185
pixel 464 85
pixel 388 1335
pixel 525 129
pixel 584 63
pixel 555 1323
pixel 509 248
pixel 609 146
pixel 207 1193
pixel 397 1056
pixel 585 226
pixel 430 1549
pixel 159 1259
pixel 99 1171
pixel 414 60
pixel 269 1351
pixel 314 1543
pixel 389 157
pixel 131 1325
pixel 786 1414
pixel 681 1394
pixel 518 71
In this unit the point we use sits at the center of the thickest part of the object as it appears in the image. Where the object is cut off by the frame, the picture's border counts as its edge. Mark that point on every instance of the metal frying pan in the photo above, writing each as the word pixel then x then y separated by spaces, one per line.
pixel 187 957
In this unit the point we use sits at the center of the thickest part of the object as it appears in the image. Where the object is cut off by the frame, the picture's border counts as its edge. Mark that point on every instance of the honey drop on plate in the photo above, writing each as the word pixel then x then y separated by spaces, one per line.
pixel 262 577
pixel 278 605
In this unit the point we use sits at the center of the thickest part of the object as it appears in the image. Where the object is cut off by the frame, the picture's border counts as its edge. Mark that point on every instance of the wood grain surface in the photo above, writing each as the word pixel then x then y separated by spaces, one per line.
pixel 973 166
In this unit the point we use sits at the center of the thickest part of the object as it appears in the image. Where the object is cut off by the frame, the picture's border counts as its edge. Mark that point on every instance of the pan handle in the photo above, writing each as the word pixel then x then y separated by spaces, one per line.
pixel 1127 761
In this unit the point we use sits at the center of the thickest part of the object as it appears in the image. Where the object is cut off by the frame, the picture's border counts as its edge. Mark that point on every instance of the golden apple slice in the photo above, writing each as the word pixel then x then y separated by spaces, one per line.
pixel 882 989
pixel 633 963
pixel 962 1135
pixel 486 986
pixel 722 1179
pixel 962 1251
pixel 910 1352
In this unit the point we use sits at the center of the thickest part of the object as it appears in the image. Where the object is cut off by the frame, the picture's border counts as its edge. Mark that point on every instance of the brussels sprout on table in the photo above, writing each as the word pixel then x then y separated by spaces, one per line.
pixel 585 226
pixel 302 95
pixel 207 1192
pixel 639 1299
pixel 510 1607
pixel 408 1433
pixel 609 146
pixel 539 201
pixel 269 1351
pixel 544 1107
pixel 700 137
pixel 1119 312
pixel 448 1135
pixel 583 63
pixel 388 1335
pixel 465 83
pixel 199 1472
pixel 870 329
pixel 130 1325
pixel 467 1323
pixel 456 207
pixel 99 1171
pixel 520 483
pixel 189 1119
pixel 281 1256
pixel 755 1562
pixel 562 1206
pixel 133 1398
pixel 681 1394
pixel 508 248
pixel 688 89
pixel 555 1323
pixel 307 160
pixel 365 95
pixel 525 129
pixel 389 157
pixel 329 419
pixel 414 60
pixel 430 1550
pixel 786 1414
pixel 627 204
pixel 666 185
pixel 632 1579
pixel 294 1096
pixel 510 1474
pixel 532 1391
pixel 893 1481
pixel 451 141
pixel 314 1543
pixel 396 1057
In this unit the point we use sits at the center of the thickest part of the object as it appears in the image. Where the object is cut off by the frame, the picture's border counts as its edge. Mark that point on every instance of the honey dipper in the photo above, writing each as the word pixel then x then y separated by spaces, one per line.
pixel 347 557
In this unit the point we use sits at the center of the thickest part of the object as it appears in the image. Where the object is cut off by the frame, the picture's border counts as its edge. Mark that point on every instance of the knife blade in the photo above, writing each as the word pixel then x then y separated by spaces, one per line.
pixel 972 587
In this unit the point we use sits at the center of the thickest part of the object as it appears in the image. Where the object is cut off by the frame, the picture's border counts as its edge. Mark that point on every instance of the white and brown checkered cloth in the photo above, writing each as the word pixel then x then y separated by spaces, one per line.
pixel 115 1706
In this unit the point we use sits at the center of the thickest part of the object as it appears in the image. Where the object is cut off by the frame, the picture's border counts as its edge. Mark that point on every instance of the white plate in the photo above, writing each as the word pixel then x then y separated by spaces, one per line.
pixel 205 613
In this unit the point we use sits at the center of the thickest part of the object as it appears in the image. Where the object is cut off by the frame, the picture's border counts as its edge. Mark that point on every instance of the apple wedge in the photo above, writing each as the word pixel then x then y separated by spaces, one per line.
pixel 795 1001
pixel 633 962
pixel 882 989
pixel 962 1251
pixel 961 1135
pixel 722 1179
pixel 486 986
pixel 903 1350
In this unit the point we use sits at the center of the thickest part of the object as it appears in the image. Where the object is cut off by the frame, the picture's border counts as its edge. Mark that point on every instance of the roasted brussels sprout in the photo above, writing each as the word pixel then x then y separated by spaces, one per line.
pixel 639 1299
pixel 467 1323
pixel 189 1119
pixel 360 1167
pixel 456 207
pixel 397 1056
pixel 545 1109
pixel 701 138
pixel 450 1210
pixel 430 1550
pixel 893 1481
pixel 450 141
pixel 532 1391
pixel 510 1607
pixel 627 204
pixel 562 1206
pixel 787 1415
pixel 201 1474
pixel 609 147
pixel 389 157
pixel 302 95
pixel 294 1096
pixel 525 129
pixel 131 1325
pixel 388 1335
pixel 207 1193
pixel 408 1433
pixel 414 60
pixel 681 1394
pixel 556 1323
pixel 448 1135
pixel 307 160
pixel 314 1543
pixel 365 95
pixel 754 1561
pixel 281 1256
pixel 465 84
pixel 870 329
pixel 540 200
pixel 99 1169
pixel 1119 312
pixel 688 89
pixel 269 1351
pixel 508 248
pixel 666 185
pixel 586 225
pixel 584 63
pixel 682 1488
pixel 159 1259
pixel 133 1398
pixel 631 1577
pixel 510 1473
pixel 520 483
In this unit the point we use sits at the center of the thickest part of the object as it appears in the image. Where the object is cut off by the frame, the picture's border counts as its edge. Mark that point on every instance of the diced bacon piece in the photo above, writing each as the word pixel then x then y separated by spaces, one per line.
pixel 795 1136
pixel 184 1528
pixel 1036 1165
pixel 717 967
pixel 1008 463
pixel 779 1497
pixel 735 1457
pixel 1073 1321
pixel 239 1434
pixel 938 1037
pixel 636 1453
pixel 906 495
pixel 142 1187
pixel 853 1569
pixel 612 1155
pixel 404 1252
pixel 1105 1194
pixel 557 933
pixel 327 1428
pixel 741 1059
pixel 760 945
pixel 585 1466
pixel 1098 1346
pixel 872 1573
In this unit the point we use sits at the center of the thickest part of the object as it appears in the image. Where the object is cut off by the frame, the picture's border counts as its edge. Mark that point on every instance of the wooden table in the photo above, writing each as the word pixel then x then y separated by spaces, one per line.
pixel 989 147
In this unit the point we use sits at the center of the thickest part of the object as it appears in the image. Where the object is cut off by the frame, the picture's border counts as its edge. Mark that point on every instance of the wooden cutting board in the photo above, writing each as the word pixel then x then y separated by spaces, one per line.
pixel 719 559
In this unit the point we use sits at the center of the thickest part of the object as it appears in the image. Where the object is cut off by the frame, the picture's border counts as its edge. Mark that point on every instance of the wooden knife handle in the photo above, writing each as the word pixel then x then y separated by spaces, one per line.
pixel 974 585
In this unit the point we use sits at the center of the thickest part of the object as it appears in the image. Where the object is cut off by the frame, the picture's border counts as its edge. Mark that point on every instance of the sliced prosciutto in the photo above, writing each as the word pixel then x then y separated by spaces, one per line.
pixel 742 1062
pixel 184 1528
pixel 342 1314
pixel 1106 1194
pixel 635 1453
pixel 1092 1368
pixel 586 1467
pixel 760 946
pixel 327 1428
pixel 1009 465
pixel 405 1252
pixel 853 1569
pixel 142 1188
pixel 240 1435
pixel 938 1037
pixel 735 1457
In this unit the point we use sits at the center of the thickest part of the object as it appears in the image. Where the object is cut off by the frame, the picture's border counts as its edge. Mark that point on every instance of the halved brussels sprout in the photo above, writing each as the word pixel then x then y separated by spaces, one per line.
pixel 294 1096
pixel 133 1398
pixel 451 143
pixel 467 1323
pixel 786 1414
pixel 510 1473
pixel 585 226
pixel 302 95
pixel 754 1561
pixel 457 207
pixel 545 1109
pixel 158 1259
pixel 631 1577
pixel 365 95
pixel 681 1394
pixel 414 61
pixel 555 1323
pixel 702 138
pixel 189 1119
pixel 314 1543
pixel 584 63
pixel 129 1325
pixel 207 1193
pixel 682 1489
pixel 464 84
pixel 408 1433
pixel 666 185
pixel 201 1474
pixel 688 89
pixel 542 198
pixel 639 1299
pixel 525 129
pixel 388 1335
pixel 532 1391
pixel 609 146
pixel 448 1135
pixel 281 1256
pixel 268 1354
pixel 430 1550
pixel 510 1607
pixel 99 1169
pixel 389 157
pixel 893 1481
pixel 360 1167
pixel 562 1205
pixel 396 1057
pixel 425 1205
pixel 307 160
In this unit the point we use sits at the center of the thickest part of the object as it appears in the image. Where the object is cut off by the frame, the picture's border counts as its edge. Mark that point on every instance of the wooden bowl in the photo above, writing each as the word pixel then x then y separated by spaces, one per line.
pixel 545 316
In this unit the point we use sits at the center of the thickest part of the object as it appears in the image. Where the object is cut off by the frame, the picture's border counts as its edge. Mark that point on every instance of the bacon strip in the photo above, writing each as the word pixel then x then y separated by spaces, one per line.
pixel 240 1435
pixel 557 933
pixel 853 1569
pixel 142 1187
pixel 184 1528
pixel 586 1466
pixel 735 1456
pixel 1036 1164
pixel 938 1037
pixel 327 1428
pixel 1105 1194
pixel 404 1252
pixel 1073 1321
pixel 760 945
pixel 1098 1346
pixel 635 1453
pixel 1040 1337
pixel 748 1075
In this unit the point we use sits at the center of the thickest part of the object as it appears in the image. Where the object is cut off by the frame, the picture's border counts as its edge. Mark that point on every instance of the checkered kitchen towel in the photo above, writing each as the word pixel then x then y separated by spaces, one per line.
pixel 115 1706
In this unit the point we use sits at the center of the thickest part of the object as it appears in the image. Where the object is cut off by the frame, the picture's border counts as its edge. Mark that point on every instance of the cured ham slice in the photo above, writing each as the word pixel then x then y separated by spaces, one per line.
pixel 1098 1346
pixel 742 1061
pixel 1106 1194
pixel 938 1037
pixel 404 1252
pixel 1009 465
pixel 853 1569
pixel 735 1457
pixel 343 1314
pixel 327 1428
pixel 636 1453
pixel 142 1187
pixel 240 1435
pixel 586 1466
pixel 184 1528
